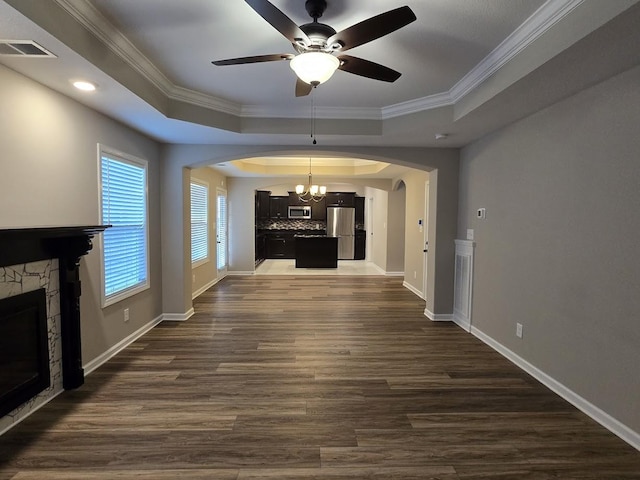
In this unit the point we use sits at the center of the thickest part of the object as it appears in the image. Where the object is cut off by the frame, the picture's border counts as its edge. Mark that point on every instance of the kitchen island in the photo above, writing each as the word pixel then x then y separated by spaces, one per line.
pixel 316 251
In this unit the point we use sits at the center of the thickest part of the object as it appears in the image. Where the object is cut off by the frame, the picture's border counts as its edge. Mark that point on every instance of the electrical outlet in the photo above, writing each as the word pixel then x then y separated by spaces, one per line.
pixel 415 274
pixel 194 278
pixel 126 314
pixel 519 330
pixel 470 234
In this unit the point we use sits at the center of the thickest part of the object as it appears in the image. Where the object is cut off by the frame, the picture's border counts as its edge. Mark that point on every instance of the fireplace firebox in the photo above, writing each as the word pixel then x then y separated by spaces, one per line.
pixel 24 349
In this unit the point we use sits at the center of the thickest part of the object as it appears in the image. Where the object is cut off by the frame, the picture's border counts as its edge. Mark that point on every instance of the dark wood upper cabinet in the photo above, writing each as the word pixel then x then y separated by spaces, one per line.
pixel 340 199
pixel 319 209
pixel 262 205
pixel 359 203
pixel 294 199
pixel 279 206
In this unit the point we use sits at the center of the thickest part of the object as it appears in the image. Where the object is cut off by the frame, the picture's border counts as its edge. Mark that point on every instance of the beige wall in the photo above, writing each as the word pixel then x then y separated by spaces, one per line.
pixel 558 251
pixel 206 274
pixel 49 176
pixel 397 202
pixel 378 229
pixel 414 182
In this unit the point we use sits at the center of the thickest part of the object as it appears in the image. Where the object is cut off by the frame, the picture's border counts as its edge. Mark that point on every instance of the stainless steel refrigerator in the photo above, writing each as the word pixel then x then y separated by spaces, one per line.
pixel 341 222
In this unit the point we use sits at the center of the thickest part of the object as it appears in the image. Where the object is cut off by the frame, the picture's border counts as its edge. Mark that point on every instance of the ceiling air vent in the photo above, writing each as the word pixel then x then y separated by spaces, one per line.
pixel 23 48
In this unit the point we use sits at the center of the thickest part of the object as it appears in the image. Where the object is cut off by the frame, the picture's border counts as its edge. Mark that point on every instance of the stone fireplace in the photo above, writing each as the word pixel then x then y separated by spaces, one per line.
pixel 43 263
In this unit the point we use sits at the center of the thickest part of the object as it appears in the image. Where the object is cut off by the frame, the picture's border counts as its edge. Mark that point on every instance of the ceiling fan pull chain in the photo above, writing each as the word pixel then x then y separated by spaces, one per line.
pixel 313 117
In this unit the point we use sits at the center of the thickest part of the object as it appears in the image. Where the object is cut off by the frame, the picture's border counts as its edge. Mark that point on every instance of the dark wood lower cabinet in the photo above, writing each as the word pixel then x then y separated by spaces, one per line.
pixel 261 248
pixel 316 251
pixel 360 245
pixel 281 245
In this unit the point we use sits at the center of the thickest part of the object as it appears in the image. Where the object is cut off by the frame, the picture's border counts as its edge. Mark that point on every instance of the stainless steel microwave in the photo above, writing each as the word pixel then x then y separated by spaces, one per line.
pixel 300 211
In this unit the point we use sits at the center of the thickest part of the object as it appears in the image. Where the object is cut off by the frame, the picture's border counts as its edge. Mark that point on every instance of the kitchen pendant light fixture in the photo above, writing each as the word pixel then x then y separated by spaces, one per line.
pixel 311 192
pixel 314 68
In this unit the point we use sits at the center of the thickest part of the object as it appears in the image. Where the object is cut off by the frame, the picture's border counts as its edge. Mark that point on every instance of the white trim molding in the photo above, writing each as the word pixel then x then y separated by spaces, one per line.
pixel 412 289
pixel 618 428
pixel 438 317
pixel 206 287
pixel 121 345
pixel 178 317
pixel 394 274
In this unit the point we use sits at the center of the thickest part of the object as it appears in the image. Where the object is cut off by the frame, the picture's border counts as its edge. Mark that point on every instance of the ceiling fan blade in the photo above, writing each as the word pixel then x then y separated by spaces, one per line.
pixel 302 88
pixel 279 21
pixel 260 58
pixel 368 69
pixel 372 28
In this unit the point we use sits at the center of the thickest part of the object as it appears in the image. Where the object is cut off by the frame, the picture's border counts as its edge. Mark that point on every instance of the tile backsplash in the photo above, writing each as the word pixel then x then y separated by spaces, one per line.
pixel 292 224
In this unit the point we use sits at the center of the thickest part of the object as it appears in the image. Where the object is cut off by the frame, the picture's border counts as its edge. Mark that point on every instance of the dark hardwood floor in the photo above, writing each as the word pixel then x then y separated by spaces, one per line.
pixel 311 378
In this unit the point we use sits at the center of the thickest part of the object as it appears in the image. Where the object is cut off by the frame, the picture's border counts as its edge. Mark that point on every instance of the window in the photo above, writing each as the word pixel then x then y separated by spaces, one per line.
pixel 123 205
pixel 221 229
pixel 199 223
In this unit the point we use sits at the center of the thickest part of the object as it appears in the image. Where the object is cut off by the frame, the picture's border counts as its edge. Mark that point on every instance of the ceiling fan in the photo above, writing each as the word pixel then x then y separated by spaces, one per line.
pixel 316 44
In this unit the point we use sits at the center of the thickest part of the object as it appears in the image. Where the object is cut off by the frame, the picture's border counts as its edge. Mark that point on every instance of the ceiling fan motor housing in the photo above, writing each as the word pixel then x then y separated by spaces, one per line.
pixel 315 8
pixel 318 33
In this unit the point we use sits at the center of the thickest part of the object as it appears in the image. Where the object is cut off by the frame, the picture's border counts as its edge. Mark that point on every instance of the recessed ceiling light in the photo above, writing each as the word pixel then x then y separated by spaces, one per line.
pixel 84 86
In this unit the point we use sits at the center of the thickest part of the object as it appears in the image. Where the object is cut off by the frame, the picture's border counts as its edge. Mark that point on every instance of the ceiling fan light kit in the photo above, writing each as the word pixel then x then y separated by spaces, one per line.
pixel 314 68
pixel 315 42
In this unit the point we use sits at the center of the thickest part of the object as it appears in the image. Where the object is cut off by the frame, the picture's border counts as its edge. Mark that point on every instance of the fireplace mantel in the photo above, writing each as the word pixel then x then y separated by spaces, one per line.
pixel 22 245
pixel 67 244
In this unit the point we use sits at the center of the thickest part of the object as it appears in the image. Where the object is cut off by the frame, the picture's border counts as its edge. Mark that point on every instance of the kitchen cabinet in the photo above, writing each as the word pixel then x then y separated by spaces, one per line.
pixel 319 210
pixel 262 205
pixel 294 199
pixel 279 206
pixel 261 248
pixel 359 203
pixel 340 199
pixel 316 251
pixel 281 245
pixel 360 245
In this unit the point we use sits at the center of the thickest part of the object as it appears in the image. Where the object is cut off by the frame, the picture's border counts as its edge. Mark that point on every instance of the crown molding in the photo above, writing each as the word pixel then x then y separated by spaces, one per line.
pixel 346 113
pixel 96 23
pixel 415 106
pixel 550 13
pixel 203 100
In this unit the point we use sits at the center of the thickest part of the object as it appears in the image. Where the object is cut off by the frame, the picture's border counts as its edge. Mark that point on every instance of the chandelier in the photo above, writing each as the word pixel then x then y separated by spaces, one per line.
pixel 311 192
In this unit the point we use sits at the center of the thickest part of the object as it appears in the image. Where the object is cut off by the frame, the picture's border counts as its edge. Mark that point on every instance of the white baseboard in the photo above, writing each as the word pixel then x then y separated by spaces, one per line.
pixel 178 317
pixel 240 272
pixel 206 287
pixel 121 345
pixel 377 267
pixel 463 323
pixel 438 317
pixel 394 274
pixel 621 430
pixel 412 289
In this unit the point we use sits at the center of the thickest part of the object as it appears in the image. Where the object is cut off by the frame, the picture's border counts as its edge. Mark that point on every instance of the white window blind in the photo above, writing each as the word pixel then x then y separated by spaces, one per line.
pixel 221 230
pixel 124 207
pixel 199 222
